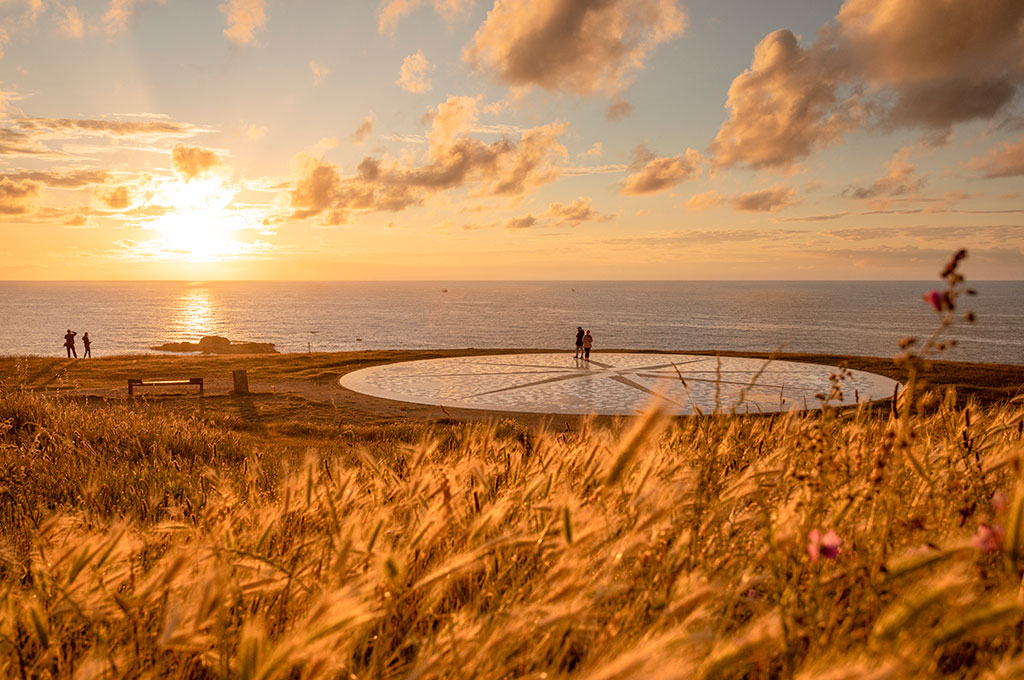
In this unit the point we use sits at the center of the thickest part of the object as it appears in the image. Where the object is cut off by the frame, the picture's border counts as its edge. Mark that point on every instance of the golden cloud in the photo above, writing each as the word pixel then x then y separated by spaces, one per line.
pixel 579 211
pixel 17 197
pixel 898 181
pixel 414 74
pixel 1005 160
pixel 392 11
pixel 705 201
pixel 894 63
pixel 783 107
pixel 244 18
pixel 117 199
pixel 654 174
pixel 766 200
pixel 364 130
pixel 581 46
pixel 192 162
pixel 454 160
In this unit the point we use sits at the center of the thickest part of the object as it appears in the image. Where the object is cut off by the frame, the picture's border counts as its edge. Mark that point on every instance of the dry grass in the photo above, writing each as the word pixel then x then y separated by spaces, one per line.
pixel 144 544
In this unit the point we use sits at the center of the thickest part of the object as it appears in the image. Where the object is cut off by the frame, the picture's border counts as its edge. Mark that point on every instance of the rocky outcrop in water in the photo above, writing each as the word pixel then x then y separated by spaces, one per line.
pixel 215 344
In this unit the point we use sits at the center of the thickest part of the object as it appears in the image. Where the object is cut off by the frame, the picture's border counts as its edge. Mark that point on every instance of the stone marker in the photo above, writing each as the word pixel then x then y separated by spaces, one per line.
pixel 241 381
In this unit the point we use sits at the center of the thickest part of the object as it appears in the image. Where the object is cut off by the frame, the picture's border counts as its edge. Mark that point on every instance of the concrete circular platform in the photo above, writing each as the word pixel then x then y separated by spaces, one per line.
pixel 612 383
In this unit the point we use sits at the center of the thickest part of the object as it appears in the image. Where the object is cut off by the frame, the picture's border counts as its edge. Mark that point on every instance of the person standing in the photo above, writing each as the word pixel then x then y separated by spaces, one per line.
pixel 69 343
pixel 579 342
pixel 588 342
pixel 87 343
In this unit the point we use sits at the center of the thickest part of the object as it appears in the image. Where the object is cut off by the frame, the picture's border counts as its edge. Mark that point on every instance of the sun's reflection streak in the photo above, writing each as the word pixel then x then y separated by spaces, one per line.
pixel 196 314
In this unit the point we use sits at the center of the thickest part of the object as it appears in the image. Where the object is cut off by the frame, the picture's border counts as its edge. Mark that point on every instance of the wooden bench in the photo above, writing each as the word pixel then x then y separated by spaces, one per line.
pixel 135 382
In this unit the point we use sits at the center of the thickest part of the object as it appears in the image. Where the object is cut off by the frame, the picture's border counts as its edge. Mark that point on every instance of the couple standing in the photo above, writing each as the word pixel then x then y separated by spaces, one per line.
pixel 69 344
pixel 584 341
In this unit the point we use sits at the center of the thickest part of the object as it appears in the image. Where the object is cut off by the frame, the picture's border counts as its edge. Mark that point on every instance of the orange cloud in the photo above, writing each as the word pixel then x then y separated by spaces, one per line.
pixel 244 18
pixel 893 63
pixel 579 46
pixel 781 108
pixel 950 62
pixel 49 127
pixel 524 222
pixel 364 130
pixel 192 162
pixel 653 174
pixel 74 179
pixel 898 181
pixel 767 200
pixel 414 74
pixel 454 160
pixel 392 11
pixel 1005 160
pixel 319 71
pixel 705 201
pixel 71 23
pixel 118 199
pixel 17 197
pixel 580 210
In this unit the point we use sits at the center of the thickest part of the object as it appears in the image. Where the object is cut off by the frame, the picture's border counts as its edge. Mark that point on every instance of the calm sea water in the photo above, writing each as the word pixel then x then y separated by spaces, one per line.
pixel 862 318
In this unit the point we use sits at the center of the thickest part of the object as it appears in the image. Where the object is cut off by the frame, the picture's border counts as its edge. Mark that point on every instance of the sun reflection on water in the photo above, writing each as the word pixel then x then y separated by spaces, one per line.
pixel 196 314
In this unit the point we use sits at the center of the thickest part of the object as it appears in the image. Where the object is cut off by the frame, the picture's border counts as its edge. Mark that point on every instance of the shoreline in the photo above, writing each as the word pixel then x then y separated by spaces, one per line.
pixel 304 386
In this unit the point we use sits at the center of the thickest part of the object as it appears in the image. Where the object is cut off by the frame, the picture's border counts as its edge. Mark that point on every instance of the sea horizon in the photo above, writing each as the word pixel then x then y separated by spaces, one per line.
pixel 860 318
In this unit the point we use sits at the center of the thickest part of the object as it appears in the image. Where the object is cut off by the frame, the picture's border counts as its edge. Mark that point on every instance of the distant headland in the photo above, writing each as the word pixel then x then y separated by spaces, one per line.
pixel 215 344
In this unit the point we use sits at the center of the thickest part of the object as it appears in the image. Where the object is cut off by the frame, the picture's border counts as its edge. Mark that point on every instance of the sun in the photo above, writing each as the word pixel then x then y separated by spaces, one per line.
pixel 198 224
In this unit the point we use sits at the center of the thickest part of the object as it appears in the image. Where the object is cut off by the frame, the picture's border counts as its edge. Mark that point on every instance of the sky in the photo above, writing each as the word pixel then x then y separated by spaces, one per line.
pixel 510 139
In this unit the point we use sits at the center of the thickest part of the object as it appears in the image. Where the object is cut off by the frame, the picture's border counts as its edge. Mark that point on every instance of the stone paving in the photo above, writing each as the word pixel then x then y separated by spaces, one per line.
pixel 612 383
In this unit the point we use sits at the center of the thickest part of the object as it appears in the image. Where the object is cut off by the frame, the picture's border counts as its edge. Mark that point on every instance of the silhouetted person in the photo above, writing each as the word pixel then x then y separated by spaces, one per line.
pixel 579 342
pixel 588 342
pixel 87 343
pixel 69 343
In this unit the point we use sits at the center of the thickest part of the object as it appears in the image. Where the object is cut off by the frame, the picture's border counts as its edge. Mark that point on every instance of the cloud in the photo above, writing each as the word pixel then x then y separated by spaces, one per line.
pixel 364 130
pixel 766 200
pixel 705 201
pixel 66 127
pixel 584 47
pixel 889 63
pixel 524 222
pixel 319 71
pixel 74 179
pixel 454 160
pixel 71 23
pixel 117 199
pixel 414 74
pixel 574 213
pixel 254 132
pixel 1005 160
pixel 594 151
pixel 244 18
pixel 899 181
pixel 654 174
pixel 17 197
pixel 76 220
pixel 392 11
pixel 953 61
pixel 783 107
pixel 118 14
pixel 192 162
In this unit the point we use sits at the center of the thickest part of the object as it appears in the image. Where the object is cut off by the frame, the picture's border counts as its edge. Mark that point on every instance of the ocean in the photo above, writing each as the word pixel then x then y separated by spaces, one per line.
pixel 861 318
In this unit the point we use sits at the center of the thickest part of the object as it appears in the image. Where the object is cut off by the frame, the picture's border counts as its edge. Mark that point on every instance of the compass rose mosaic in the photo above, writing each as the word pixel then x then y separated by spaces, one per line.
pixel 612 383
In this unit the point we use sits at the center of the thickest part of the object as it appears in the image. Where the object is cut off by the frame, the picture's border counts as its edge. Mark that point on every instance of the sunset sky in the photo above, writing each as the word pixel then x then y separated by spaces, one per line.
pixel 510 139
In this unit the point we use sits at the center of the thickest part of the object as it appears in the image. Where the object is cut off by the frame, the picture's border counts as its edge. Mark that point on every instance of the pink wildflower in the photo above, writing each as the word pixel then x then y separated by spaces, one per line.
pixel 989 538
pixel 936 299
pixel 999 501
pixel 823 545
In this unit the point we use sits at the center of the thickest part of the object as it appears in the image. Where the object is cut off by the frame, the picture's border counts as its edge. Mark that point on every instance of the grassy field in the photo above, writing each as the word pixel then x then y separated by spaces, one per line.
pixel 189 538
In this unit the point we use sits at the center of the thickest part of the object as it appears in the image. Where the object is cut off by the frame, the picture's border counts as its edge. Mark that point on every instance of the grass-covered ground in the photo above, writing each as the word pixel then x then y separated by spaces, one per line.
pixel 172 538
